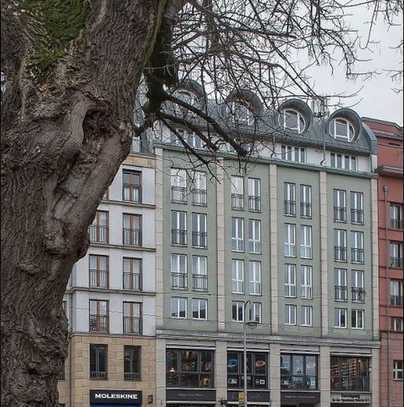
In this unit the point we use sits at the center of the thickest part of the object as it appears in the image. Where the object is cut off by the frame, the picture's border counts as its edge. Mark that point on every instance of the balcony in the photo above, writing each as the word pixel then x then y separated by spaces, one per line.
pixel 396 262
pixel 179 280
pixel 305 210
pixel 341 293
pixel 98 234
pixel 99 323
pixel 340 253
pixel 290 208
pixel 179 236
pixel 132 325
pixel 132 193
pixel 132 281
pixel 178 194
pixel 339 213
pixel 396 299
pixel 132 237
pixel 358 294
pixel 98 278
pixel 357 256
pixel 200 239
pixel 200 197
pixel 254 203
pixel 357 216
pixel 237 201
pixel 200 282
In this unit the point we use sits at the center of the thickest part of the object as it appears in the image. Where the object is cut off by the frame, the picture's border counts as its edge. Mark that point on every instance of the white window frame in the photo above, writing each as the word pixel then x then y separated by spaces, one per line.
pixel 306 287
pixel 255 312
pixel 198 303
pixel 177 222
pixel 339 312
pixel 306 242
pixel 178 179
pixel 357 204
pixel 254 236
pixel 237 188
pixel 239 305
pixel 290 281
pixel 398 371
pixel 306 315
pixel 254 277
pixel 299 117
pixel 350 131
pixel 359 318
pixel 341 242
pixel 290 314
pixel 397 324
pixel 341 280
pixel 199 183
pixel 290 198
pixel 340 202
pixel 306 201
pixel 177 260
pixel 237 234
pixel 175 305
pixel 237 276
pixel 290 240
pixel 254 191
pixel 200 221
pixel 358 242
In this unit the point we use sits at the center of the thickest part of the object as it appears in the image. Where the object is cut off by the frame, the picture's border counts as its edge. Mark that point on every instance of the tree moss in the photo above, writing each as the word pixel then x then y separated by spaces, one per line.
pixel 54 23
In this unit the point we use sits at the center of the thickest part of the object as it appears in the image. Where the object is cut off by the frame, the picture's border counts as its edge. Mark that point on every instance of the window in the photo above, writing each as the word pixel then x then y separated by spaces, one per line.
pixel 132 318
pixel 255 312
pixel 199 189
pixel 358 318
pixel 306 315
pixel 254 194
pixel 189 368
pixel 299 372
pixel 179 272
pixel 398 370
pixel 343 162
pixel 98 271
pixel 257 370
pixel 357 250
pixel 178 308
pixel 341 245
pixel 132 273
pixel 305 201
pixel 98 361
pixel 237 311
pixel 199 273
pixel 237 272
pixel 293 120
pixel 396 292
pixel 339 205
pixel 290 280
pixel 396 216
pixel 194 140
pixel 396 254
pixel 290 314
pixel 132 186
pixel 306 282
pixel 99 320
pixel 199 309
pixel 237 234
pixel 290 199
pixel 340 317
pixel 254 275
pixel 178 185
pixel 132 230
pixel 341 285
pixel 306 244
pixel 357 216
pixel 199 230
pixel 131 362
pixel 343 129
pixel 254 236
pixel 290 240
pixel 397 324
pixel 349 373
pixel 179 228
pixel 241 114
pixel 237 192
pixel 99 228
pixel 296 154
pixel 358 291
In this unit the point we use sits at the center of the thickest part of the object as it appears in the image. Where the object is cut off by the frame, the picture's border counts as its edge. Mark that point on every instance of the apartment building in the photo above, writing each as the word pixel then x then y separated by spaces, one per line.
pixel 286 242
pixel 110 298
pixel 391 249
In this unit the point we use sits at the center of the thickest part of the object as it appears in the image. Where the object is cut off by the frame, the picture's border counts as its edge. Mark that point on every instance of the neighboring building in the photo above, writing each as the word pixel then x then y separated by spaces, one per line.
pixel 110 298
pixel 391 259
pixel 295 235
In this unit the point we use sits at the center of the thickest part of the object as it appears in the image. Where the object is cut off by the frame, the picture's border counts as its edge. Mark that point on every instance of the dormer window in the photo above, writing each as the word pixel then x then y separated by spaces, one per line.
pixel 293 120
pixel 187 97
pixel 241 114
pixel 343 129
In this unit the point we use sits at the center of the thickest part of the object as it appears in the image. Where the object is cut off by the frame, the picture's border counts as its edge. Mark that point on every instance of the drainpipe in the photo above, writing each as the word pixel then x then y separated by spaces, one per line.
pixel 386 209
pixel 70 348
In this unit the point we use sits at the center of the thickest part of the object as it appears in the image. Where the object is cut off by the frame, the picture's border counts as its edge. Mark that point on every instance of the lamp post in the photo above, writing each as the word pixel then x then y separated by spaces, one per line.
pixel 251 324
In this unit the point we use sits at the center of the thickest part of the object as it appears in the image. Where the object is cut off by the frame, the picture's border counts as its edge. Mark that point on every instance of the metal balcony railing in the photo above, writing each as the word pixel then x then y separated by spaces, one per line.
pixel 340 253
pixel 132 237
pixel 200 239
pixel 97 374
pixel 357 255
pixel 396 223
pixel 98 234
pixel 358 294
pixel 98 278
pixel 254 203
pixel 341 293
pixel 99 323
pixel 200 282
pixel 132 193
pixel 132 281
pixel 339 213
pixel 305 209
pixel 178 194
pixel 237 201
pixel 396 299
pixel 179 236
pixel 396 262
pixel 179 280
pixel 290 208
pixel 132 325
pixel 199 197
pixel 357 216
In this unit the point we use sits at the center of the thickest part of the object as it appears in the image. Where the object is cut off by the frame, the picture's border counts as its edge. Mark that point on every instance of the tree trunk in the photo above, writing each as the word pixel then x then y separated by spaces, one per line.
pixel 63 139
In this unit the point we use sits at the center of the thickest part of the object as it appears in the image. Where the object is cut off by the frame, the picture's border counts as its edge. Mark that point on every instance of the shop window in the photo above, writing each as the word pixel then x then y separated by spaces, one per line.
pixel 349 373
pixel 190 368
pixel 299 372
pixel 257 370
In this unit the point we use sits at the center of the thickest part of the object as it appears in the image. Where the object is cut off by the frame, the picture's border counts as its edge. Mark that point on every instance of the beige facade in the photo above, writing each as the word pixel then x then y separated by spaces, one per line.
pixel 74 390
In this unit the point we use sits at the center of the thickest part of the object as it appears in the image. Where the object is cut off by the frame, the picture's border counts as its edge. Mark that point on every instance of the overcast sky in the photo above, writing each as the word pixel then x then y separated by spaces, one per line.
pixel 376 97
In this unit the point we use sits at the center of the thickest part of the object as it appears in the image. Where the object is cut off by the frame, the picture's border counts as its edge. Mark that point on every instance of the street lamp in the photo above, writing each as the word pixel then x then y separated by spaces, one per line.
pixel 251 324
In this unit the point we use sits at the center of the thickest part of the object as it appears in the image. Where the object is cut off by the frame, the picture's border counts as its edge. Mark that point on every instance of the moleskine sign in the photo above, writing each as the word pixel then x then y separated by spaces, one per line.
pixel 123 397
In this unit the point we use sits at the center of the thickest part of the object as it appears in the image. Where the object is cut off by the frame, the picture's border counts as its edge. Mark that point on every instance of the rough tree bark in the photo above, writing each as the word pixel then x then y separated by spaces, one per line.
pixel 64 136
